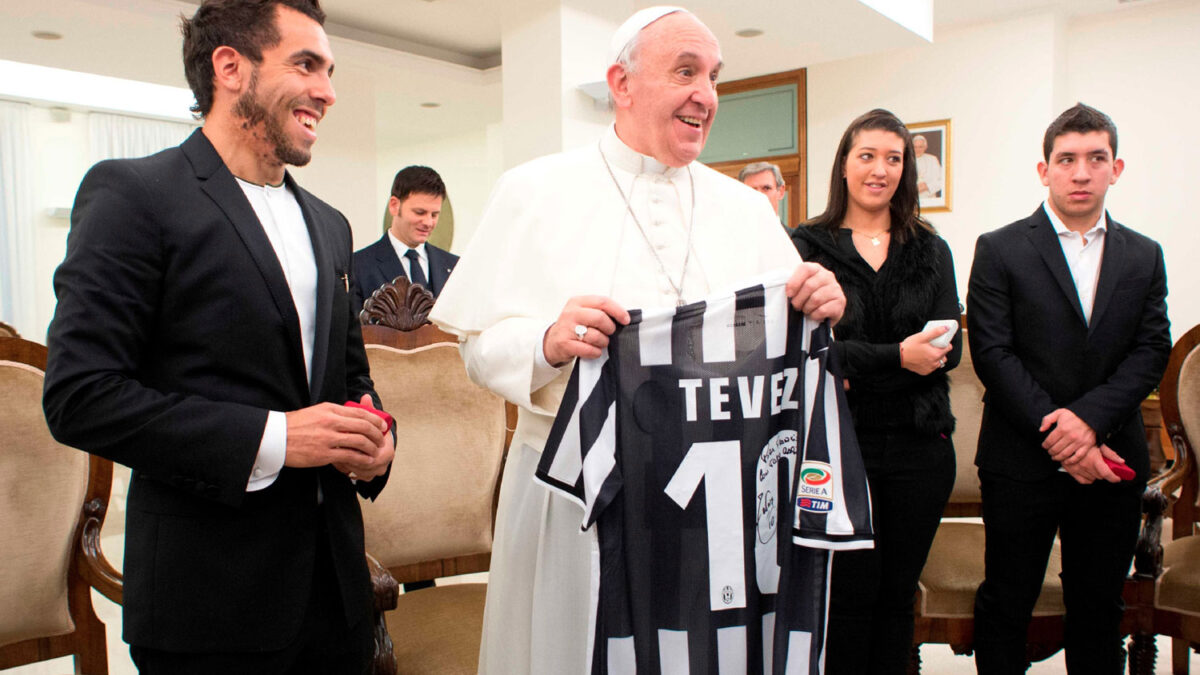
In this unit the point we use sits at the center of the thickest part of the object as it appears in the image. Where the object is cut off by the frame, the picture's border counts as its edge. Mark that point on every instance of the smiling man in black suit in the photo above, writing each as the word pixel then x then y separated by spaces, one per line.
pixel 204 336
pixel 415 206
pixel 1067 318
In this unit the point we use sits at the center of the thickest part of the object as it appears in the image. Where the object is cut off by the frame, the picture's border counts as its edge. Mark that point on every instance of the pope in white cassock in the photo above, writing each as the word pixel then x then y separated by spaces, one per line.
pixel 929 170
pixel 566 243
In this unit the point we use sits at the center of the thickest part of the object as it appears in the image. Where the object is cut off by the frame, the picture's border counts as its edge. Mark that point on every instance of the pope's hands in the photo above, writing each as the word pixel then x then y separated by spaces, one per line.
pixel 354 441
pixel 599 317
pixel 922 358
pixel 814 291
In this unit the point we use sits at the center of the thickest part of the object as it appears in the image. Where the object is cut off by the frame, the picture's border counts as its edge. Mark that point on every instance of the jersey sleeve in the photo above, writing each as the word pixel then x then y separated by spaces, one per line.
pixel 833 504
pixel 580 457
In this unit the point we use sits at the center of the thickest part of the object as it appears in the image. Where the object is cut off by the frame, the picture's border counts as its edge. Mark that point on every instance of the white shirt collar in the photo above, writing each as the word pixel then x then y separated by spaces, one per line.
pixel 402 248
pixel 1061 229
pixel 626 158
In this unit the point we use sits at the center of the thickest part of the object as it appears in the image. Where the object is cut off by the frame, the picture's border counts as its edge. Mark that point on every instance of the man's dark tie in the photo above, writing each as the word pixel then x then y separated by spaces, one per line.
pixel 415 274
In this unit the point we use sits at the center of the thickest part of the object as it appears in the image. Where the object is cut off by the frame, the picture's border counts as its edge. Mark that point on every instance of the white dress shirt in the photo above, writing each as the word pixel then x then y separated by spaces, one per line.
pixel 402 248
pixel 281 219
pixel 1083 253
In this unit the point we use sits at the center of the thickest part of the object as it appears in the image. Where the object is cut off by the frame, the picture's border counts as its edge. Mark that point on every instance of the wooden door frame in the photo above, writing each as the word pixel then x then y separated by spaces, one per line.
pixel 793 167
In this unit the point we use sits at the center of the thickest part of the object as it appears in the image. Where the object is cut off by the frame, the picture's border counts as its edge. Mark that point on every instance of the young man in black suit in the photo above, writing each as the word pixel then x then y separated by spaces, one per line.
pixel 1069 333
pixel 415 205
pixel 204 336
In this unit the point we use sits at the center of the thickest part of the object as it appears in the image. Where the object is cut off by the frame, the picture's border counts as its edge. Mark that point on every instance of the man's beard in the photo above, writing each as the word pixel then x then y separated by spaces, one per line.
pixel 253 112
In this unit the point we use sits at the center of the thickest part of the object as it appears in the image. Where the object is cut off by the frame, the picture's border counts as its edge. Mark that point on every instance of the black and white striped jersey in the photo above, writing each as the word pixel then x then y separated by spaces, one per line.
pixel 699 431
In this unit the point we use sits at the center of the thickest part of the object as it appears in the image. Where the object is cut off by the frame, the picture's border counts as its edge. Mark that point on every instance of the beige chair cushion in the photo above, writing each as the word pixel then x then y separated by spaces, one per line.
pixel 1179 587
pixel 42 485
pixel 450 444
pixel 966 400
pixel 955 569
pixel 437 630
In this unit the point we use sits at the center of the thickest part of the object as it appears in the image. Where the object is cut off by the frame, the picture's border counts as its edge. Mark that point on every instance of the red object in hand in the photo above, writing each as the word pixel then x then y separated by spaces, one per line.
pixel 1123 472
pixel 381 414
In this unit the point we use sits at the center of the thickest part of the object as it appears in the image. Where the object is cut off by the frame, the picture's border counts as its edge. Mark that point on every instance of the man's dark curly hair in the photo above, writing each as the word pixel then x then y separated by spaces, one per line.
pixel 245 25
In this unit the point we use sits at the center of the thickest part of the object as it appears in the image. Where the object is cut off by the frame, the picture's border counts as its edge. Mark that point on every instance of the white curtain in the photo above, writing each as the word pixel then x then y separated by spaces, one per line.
pixel 17 262
pixel 119 136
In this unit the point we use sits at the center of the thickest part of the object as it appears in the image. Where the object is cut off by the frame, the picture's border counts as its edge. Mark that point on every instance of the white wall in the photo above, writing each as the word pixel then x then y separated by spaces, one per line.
pixel 1001 84
pixel 1140 68
pixel 468 163
pixel 342 170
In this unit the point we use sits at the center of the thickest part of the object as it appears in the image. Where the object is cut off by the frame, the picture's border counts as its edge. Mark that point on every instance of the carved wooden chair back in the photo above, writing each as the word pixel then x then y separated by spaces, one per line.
pixel 1165 596
pixel 435 518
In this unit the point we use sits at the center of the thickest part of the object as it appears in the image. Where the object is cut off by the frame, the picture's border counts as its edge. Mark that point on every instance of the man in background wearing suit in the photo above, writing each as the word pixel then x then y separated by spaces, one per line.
pixel 204 336
pixel 1069 333
pixel 415 204
pixel 767 179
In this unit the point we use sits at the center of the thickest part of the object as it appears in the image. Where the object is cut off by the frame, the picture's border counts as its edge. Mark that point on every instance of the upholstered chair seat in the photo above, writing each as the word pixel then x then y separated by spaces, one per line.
pixel 955 570
pixel 442 624
pixel 1179 586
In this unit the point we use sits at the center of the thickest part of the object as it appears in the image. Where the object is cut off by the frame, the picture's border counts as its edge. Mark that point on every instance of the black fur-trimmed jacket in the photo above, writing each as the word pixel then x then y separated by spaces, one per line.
pixel 915 284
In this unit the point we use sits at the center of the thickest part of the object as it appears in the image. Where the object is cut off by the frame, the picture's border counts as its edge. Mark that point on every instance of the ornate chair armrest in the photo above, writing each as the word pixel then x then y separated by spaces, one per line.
pixel 387 594
pixel 1148 554
pixel 385 588
pixel 96 569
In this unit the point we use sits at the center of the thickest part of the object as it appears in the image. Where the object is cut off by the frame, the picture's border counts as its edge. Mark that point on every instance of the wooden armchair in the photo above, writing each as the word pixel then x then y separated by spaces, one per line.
pixel 945 605
pixel 436 515
pixel 54 500
pixel 1167 577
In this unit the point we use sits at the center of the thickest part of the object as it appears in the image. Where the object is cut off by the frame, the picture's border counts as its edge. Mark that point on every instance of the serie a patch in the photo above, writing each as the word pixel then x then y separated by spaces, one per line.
pixel 815 491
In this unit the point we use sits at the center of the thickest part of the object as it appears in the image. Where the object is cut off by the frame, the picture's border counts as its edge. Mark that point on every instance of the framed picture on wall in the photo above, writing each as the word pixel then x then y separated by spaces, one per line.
pixel 931 141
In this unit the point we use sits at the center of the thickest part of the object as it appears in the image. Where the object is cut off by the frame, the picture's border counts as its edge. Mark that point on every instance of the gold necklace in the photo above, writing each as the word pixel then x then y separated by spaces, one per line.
pixel 873 237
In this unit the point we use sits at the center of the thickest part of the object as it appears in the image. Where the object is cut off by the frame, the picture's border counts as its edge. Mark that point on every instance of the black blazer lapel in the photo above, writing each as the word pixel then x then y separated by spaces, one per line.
pixel 389 262
pixel 219 184
pixel 323 254
pixel 1112 269
pixel 1045 240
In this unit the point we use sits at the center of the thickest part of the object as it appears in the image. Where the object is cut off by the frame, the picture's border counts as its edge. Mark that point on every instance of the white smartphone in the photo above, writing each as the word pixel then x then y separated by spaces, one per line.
pixel 942 340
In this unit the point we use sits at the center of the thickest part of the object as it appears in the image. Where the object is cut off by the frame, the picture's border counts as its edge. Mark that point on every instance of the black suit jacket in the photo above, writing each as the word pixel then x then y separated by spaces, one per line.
pixel 378 264
pixel 175 333
pixel 1034 352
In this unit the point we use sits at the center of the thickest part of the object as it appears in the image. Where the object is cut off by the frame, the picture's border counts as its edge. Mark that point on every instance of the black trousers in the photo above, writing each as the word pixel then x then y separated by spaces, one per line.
pixel 325 645
pixel 871 592
pixel 1097 526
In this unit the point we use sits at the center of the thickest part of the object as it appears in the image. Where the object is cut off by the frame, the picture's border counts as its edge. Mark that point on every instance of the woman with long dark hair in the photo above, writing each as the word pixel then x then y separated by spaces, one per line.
pixel 897 274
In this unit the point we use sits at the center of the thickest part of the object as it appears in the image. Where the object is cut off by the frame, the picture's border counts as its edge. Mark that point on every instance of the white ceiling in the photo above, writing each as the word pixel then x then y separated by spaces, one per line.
pixel 456 43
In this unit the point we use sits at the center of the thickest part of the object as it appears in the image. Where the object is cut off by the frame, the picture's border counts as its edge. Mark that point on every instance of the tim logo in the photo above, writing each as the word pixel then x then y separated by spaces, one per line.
pixel 815 490
pixel 814 505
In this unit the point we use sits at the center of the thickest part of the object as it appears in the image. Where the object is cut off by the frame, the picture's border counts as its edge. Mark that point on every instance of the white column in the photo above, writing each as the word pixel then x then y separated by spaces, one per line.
pixel 549 48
